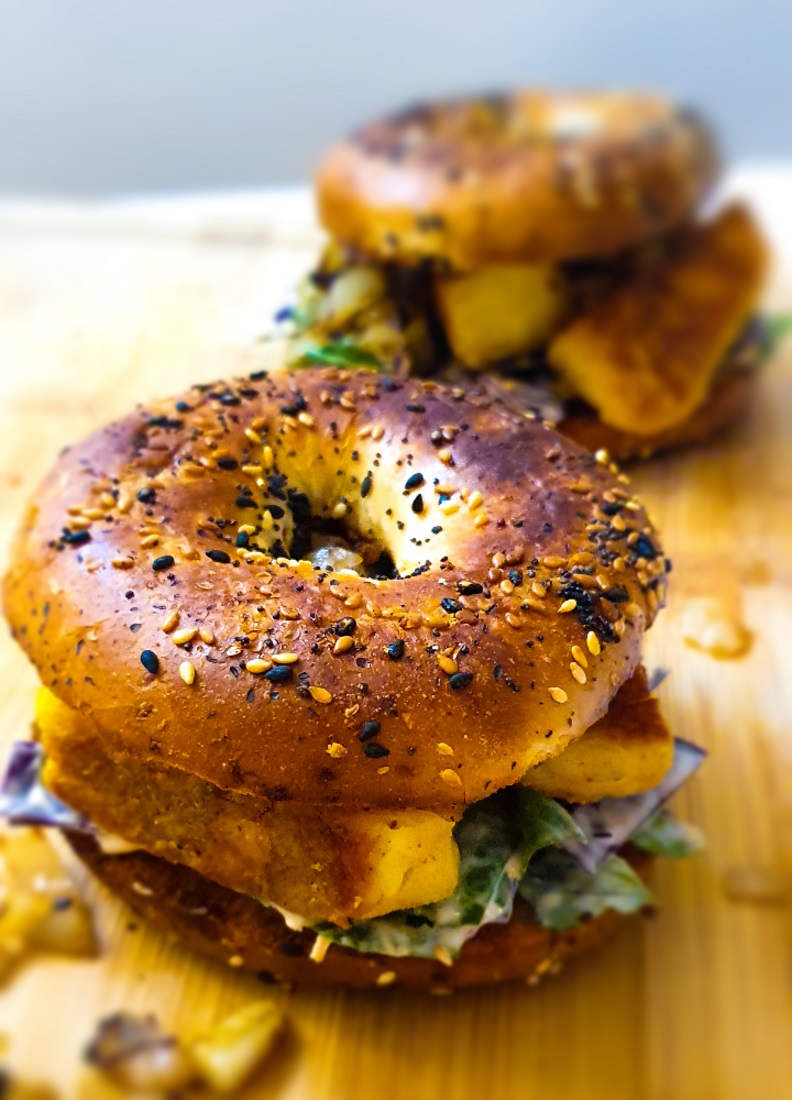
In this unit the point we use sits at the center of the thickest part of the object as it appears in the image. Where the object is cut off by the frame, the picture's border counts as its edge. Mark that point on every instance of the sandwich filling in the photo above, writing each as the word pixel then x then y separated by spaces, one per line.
pixel 395 883
pixel 640 339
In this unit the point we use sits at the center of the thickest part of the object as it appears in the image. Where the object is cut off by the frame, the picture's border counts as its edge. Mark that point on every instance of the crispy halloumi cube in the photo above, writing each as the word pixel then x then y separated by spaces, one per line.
pixel 501 311
pixel 645 354
pixel 627 751
pixel 323 862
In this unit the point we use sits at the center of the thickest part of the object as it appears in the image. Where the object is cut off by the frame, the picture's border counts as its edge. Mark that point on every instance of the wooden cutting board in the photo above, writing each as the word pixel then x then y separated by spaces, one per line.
pixel 101 306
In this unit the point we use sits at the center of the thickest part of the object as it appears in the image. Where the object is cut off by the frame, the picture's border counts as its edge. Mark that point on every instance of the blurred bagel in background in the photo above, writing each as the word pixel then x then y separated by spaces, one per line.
pixel 557 237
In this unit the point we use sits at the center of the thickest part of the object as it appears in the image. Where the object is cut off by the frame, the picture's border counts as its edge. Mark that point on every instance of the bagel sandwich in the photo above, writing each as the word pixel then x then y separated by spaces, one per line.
pixel 558 238
pixel 342 682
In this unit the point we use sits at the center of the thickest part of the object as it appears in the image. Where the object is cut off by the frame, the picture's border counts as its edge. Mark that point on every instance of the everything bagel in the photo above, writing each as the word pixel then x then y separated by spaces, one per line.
pixel 315 647
pixel 514 178
pixel 557 237
pixel 146 566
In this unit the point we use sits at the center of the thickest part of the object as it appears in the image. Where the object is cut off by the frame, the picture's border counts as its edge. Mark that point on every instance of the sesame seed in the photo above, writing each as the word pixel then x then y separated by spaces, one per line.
pixel 305 419
pixel 365 485
pixel 602 456
pixel 280 675
pixel 513 621
pixel 206 635
pixel 162 563
pixel 336 750
pixel 577 672
pixel 343 644
pixel 122 563
pixel 253 436
pixel 187 672
pixel 150 661
pixel 469 588
pixel 444 456
pixel 369 730
pixel 320 695
pixel 257 665
pixel 449 507
pixel 444 749
pixel 219 556
pixel 450 777
pixel 418 505
pixel 182 637
pixel 149 541
pixel 460 680
pixel 475 500
pixel 481 519
pixel 267 457
pixel 285 658
pixel 446 664
pixel 387 977
pixel 339 510
pixel 558 694
pixel 170 622
pixel 450 605
pixel 377 432
pixel 414 481
pixel 567 606
pixel 374 751
pixel 395 650
pixel 579 656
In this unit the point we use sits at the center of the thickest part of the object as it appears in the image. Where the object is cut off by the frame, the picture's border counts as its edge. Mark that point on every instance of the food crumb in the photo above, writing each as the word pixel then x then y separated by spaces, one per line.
pixel 711 625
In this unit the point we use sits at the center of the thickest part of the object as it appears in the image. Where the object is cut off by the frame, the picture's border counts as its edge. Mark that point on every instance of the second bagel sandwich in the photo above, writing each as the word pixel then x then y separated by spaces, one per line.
pixel 553 239
pixel 342 682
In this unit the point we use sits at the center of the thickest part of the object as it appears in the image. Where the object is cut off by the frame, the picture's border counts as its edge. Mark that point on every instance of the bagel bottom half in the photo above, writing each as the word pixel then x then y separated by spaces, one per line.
pixel 239 931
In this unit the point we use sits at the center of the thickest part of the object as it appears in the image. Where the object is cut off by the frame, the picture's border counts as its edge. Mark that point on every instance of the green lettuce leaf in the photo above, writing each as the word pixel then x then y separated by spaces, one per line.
pixel 777 326
pixel 497 839
pixel 561 892
pixel 342 354
pixel 665 835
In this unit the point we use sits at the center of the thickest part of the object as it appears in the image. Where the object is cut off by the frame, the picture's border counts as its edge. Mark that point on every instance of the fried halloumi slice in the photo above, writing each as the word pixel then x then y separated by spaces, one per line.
pixel 322 862
pixel 501 310
pixel 645 354
pixel 627 751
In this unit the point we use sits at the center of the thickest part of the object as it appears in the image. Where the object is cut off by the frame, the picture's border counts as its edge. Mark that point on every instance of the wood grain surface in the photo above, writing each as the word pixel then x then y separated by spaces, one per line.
pixel 104 306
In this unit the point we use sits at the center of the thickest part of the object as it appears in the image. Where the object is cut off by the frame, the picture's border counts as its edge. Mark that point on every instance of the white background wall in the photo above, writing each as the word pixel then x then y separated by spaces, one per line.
pixel 120 95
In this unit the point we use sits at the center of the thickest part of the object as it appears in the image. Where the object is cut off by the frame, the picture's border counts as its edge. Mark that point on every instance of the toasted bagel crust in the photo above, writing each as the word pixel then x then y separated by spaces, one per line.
pixel 127 578
pixel 524 177
pixel 236 929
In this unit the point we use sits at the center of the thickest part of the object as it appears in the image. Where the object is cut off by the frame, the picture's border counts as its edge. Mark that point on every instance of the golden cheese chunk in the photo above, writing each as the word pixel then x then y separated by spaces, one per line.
pixel 627 751
pixel 321 862
pixel 500 311
pixel 645 355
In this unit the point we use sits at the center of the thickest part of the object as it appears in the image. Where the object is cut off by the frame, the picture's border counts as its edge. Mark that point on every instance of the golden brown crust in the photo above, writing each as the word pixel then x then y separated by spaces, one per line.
pixel 92 586
pixel 524 177
pixel 237 930
pixel 726 403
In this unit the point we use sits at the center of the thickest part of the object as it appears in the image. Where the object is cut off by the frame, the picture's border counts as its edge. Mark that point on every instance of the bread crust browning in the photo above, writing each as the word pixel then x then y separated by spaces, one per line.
pixel 524 177
pixel 539 553
pixel 237 930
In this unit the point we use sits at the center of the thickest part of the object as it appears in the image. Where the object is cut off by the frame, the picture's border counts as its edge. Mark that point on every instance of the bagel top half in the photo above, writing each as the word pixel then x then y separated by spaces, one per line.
pixel 151 587
pixel 524 177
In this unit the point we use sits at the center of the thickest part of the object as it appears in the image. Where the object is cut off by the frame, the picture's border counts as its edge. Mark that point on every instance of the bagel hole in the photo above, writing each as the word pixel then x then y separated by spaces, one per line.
pixel 330 545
